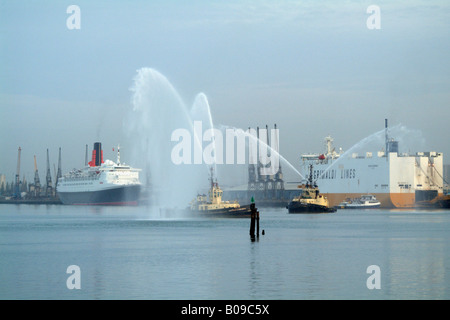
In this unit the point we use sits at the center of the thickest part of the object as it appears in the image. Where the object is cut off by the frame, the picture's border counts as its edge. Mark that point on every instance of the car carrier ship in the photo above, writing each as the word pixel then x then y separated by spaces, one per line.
pixel 100 182
pixel 397 180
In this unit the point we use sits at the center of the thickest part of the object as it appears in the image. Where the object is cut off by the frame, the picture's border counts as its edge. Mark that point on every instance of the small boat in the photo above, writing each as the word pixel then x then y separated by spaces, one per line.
pixel 310 200
pixel 366 201
pixel 214 206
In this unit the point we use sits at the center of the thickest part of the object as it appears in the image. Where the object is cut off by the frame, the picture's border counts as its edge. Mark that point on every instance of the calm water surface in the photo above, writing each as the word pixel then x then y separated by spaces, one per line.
pixel 136 253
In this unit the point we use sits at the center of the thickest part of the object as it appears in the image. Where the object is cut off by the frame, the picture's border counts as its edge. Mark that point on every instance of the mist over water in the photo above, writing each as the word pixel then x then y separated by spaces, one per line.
pixel 157 111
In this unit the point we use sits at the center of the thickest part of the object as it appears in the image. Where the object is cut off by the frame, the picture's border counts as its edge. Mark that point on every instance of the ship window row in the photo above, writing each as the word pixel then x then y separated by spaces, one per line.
pixel 81 178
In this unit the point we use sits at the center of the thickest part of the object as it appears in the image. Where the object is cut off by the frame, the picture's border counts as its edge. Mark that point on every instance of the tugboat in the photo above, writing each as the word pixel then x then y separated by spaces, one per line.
pixel 215 207
pixel 310 200
pixel 366 201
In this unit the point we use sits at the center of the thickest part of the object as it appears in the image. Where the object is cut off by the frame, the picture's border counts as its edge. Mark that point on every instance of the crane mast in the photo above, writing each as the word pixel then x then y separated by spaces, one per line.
pixel 17 185
pixel 37 183
pixel 49 189
pixel 59 173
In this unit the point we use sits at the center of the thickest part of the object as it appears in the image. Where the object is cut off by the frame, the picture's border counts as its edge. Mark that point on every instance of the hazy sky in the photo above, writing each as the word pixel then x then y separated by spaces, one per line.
pixel 312 67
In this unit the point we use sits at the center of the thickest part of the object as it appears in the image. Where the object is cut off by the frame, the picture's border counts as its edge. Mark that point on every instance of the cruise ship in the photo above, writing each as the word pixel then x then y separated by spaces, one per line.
pixel 100 182
pixel 397 180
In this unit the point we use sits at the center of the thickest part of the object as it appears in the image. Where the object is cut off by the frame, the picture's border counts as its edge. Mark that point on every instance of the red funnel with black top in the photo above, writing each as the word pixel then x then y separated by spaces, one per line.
pixel 97 155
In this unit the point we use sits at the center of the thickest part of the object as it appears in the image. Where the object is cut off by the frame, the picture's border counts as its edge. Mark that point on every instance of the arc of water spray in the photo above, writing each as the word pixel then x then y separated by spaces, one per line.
pixel 141 81
pixel 199 101
pixel 257 140
pixel 156 76
pixel 357 145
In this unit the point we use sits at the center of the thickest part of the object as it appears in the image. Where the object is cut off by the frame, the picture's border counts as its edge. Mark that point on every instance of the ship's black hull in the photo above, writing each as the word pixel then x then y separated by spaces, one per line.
pixel 242 212
pixel 297 207
pixel 122 195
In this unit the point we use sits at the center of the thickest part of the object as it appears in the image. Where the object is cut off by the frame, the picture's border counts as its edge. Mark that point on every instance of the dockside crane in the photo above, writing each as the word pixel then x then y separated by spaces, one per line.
pixel 17 185
pixel 59 173
pixel 37 182
pixel 49 188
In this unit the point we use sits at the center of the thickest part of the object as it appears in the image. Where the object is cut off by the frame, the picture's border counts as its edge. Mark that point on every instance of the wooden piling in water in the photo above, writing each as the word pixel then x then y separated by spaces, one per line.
pixel 257 223
pixel 252 220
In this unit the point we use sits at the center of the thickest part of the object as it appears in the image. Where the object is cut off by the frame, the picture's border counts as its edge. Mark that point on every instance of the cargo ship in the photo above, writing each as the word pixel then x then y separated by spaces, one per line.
pixel 397 180
pixel 100 182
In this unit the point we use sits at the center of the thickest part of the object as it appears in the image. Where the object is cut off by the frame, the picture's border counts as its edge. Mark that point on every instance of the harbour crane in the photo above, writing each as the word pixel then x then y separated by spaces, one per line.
pixel 37 183
pixel 17 185
pixel 59 173
pixel 48 189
